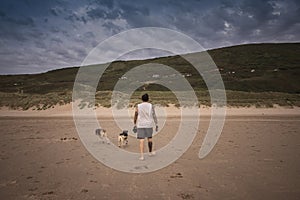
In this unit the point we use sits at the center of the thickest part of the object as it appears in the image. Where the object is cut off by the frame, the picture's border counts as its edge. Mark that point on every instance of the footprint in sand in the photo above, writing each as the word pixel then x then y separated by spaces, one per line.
pixel 65 139
pixel 13 182
pixel 84 190
pixel 186 196
pixel 48 193
pixel 32 189
pixel 177 175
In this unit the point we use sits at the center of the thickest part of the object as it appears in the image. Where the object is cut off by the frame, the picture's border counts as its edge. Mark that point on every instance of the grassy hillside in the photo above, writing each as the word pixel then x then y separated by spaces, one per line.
pixel 277 67
pixel 259 74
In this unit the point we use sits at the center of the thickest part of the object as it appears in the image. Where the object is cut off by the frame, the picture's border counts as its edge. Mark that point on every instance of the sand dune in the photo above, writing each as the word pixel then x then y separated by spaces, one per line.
pixel 66 111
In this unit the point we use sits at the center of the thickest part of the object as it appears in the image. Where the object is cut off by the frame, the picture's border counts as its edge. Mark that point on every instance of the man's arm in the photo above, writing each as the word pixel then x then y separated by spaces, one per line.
pixel 135 115
pixel 154 115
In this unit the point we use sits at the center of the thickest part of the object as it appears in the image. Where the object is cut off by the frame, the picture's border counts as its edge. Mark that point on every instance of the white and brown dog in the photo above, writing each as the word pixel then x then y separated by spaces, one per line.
pixel 123 138
pixel 101 133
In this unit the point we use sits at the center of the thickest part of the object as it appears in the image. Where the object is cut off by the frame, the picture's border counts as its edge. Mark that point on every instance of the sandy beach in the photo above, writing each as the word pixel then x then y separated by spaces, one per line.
pixel 256 157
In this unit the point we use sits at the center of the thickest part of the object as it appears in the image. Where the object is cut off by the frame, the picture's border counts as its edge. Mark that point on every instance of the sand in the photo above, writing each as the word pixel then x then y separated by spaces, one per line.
pixel 256 157
pixel 66 111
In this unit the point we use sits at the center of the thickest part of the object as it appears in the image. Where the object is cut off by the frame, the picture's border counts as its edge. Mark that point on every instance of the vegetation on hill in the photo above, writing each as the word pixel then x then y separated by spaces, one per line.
pixel 253 74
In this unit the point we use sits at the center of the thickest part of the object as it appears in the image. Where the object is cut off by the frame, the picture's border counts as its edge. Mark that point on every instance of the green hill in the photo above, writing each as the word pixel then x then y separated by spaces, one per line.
pixel 261 74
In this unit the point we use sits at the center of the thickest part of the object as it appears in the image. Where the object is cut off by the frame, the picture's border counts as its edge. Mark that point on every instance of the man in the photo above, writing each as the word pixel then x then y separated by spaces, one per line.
pixel 143 121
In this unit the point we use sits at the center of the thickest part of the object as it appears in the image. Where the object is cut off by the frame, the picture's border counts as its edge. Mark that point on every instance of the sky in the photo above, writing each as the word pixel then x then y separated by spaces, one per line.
pixel 37 36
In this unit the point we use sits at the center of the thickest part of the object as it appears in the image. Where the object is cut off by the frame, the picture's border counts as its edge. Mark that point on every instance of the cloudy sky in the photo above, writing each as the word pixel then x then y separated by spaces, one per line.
pixel 37 36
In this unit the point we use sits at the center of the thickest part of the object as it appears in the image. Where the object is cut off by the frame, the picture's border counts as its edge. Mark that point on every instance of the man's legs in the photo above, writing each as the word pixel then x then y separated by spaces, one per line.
pixel 150 144
pixel 142 149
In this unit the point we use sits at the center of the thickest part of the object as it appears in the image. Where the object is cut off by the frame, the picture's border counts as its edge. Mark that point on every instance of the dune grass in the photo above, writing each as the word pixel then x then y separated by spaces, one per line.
pixel 162 98
pixel 256 74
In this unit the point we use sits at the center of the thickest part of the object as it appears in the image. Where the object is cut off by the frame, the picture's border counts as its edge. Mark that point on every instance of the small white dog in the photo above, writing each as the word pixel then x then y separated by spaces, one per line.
pixel 123 138
pixel 101 133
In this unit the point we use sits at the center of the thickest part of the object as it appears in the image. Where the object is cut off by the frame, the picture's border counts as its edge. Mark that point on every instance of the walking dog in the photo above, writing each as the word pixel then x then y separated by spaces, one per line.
pixel 101 133
pixel 123 138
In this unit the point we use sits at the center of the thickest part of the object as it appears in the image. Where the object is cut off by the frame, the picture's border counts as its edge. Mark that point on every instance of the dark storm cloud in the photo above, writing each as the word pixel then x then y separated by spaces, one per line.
pixel 105 3
pixel 261 19
pixel 54 11
pixel 112 27
pixel 73 17
pixel 102 13
pixel 36 35
pixel 27 21
pixel 2 14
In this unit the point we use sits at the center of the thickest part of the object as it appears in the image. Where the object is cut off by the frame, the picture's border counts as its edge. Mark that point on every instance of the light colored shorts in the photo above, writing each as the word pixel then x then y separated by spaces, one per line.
pixel 143 133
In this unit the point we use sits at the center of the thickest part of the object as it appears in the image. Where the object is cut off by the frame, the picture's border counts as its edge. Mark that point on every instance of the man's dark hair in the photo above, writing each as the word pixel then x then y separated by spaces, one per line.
pixel 145 97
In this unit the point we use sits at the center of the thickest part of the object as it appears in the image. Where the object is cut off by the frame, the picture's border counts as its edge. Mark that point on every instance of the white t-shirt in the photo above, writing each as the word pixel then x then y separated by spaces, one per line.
pixel 145 115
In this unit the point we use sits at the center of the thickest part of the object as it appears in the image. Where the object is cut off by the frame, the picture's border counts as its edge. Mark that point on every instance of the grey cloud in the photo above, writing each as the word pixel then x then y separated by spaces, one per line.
pixel 27 21
pixel 62 53
pixel 54 11
pixel 96 13
pixel 9 34
pixel 138 15
pixel 89 34
pixel 253 21
pixel 73 17
pixel 114 29
pixel 102 13
pixel 55 29
pixel 80 52
pixel 16 28
pixel 106 3
pixel 40 44
pixel 60 33
pixel 289 15
pixel 2 14
pixel 57 40
pixel 134 9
